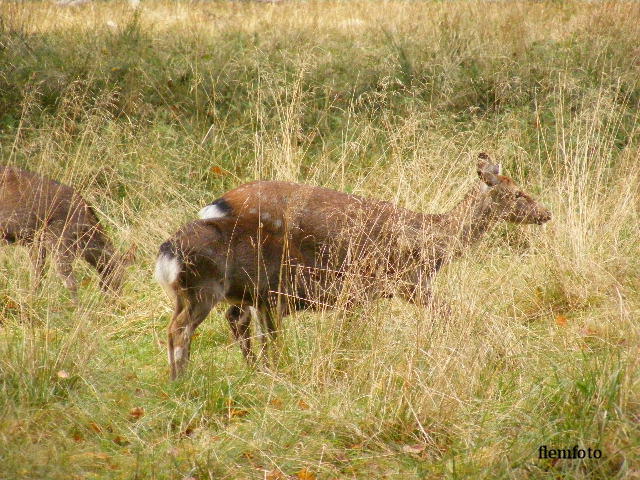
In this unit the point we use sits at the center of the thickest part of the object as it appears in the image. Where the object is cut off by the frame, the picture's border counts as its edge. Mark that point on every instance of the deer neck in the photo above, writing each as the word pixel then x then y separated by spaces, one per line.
pixel 470 220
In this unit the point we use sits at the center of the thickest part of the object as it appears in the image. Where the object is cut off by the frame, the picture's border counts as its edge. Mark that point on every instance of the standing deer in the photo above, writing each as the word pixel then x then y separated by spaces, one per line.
pixel 324 241
pixel 208 261
pixel 51 218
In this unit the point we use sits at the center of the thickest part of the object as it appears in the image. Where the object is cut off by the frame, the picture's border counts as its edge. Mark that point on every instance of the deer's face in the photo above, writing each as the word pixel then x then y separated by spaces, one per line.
pixel 509 201
pixel 113 273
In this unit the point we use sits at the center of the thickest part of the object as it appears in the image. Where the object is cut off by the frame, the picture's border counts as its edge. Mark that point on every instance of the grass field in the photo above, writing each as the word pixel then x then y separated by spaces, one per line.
pixel 152 113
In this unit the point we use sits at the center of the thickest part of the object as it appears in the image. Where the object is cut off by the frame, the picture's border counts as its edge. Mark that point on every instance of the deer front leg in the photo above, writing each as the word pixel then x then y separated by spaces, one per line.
pixel 64 267
pixel 240 320
pixel 418 291
pixel 38 256
pixel 190 311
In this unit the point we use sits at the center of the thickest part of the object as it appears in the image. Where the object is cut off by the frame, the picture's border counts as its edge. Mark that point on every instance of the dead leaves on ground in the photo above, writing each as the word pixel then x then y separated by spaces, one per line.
pixel 561 321
pixel 136 413
pixel 416 449
pixel 9 303
pixel 303 474
pixel 275 475
pixel 219 171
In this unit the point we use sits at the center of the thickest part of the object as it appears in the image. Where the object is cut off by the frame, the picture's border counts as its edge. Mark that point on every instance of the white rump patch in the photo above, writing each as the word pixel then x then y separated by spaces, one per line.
pixel 211 211
pixel 167 270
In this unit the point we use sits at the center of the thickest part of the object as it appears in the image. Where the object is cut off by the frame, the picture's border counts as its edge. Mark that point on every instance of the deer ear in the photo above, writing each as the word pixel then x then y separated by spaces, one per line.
pixel 487 171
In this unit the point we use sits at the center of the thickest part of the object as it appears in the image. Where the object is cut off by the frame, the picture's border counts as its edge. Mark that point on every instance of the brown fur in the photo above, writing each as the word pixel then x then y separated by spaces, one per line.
pixel 51 218
pixel 336 241
pixel 239 263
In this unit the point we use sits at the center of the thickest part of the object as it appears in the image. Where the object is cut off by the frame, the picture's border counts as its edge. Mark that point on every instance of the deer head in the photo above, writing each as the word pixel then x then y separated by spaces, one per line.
pixel 112 274
pixel 508 201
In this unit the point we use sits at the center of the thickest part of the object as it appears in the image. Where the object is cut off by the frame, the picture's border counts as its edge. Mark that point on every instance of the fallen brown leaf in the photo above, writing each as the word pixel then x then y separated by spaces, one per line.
pixel 136 413
pixel 10 304
pixel 305 474
pixel 248 455
pixel 303 405
pixel 275 475
pixel 237 412
pixel 414 449
pixel 120 441
pixel 216 170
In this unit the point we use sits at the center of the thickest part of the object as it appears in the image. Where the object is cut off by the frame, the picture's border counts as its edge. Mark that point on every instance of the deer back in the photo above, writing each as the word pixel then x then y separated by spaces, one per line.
pixel 30 203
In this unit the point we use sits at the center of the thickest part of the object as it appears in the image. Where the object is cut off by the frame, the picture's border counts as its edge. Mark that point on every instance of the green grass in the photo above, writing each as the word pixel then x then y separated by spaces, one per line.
pixel 153 113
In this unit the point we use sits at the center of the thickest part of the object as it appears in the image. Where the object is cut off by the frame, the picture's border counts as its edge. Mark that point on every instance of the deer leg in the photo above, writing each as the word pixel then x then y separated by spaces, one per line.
pixel 190 311
pixel 239 320
pixel 270 318
pixel 265 321
pixel 38 255
pixel 64 267
pixel 427 300
pixel 421 294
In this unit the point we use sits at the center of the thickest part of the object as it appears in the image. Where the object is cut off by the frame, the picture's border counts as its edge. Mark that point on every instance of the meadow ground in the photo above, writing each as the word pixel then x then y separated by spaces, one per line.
pixel 152 113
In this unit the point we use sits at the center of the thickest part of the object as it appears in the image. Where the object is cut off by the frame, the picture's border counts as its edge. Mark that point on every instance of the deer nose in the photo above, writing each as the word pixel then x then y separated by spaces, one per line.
pixel 545 216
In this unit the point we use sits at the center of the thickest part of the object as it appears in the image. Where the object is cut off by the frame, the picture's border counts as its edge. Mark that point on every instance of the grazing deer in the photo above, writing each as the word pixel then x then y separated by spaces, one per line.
pixel 315 242
pixel 51 218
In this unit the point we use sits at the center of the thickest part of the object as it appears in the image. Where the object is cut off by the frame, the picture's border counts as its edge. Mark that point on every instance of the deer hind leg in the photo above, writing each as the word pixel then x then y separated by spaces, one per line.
pixel 270 320
pixel 239 319
pixel 190 311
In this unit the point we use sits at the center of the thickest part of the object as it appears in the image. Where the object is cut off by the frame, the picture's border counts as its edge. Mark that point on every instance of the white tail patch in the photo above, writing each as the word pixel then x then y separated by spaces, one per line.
pixel 211 211
pixel 167 270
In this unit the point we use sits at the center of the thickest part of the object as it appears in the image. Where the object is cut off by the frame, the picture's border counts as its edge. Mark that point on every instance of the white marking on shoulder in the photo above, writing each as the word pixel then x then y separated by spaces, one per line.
pixel 167 270
pixel 211 211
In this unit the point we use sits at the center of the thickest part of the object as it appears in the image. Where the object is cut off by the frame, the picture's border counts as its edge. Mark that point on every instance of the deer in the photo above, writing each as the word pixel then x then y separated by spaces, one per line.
pixel 208 261
pixel 310 242
pixel 50 218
